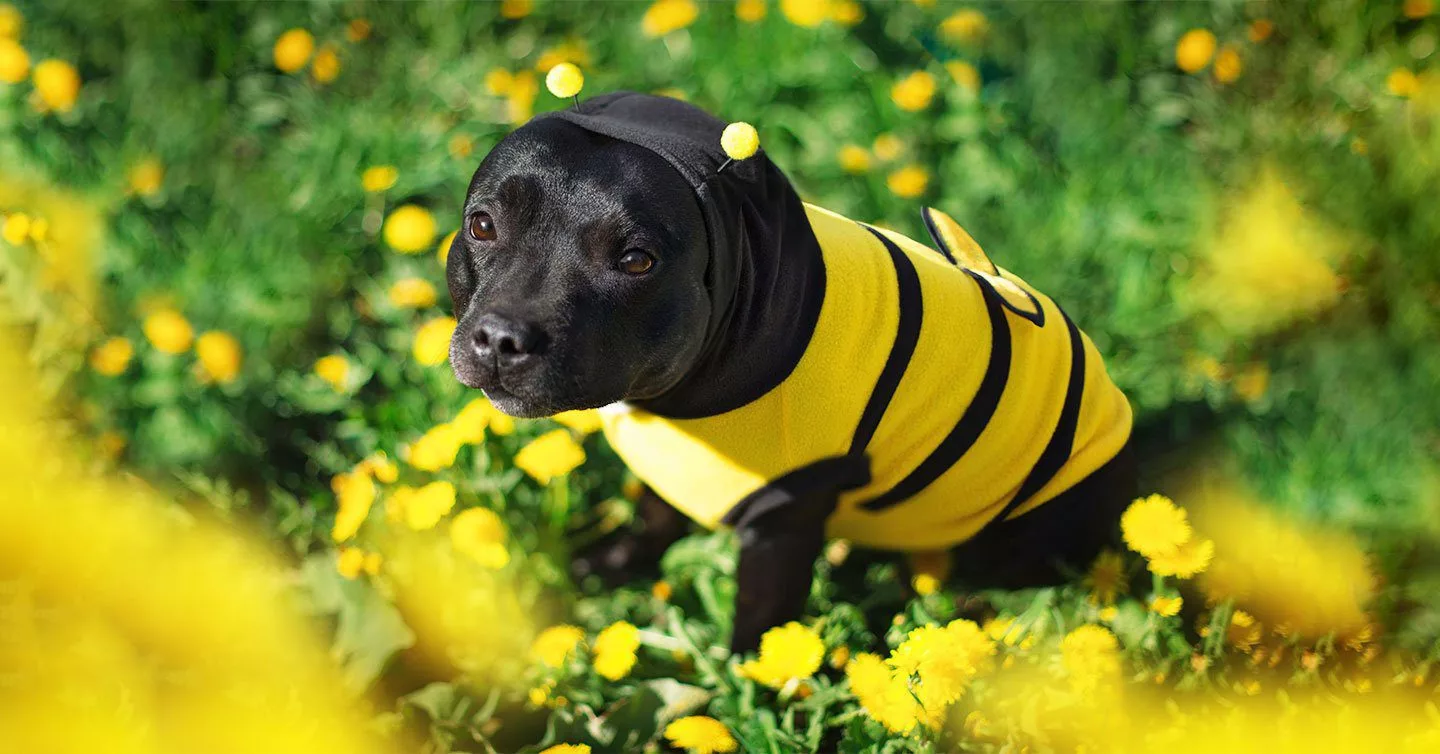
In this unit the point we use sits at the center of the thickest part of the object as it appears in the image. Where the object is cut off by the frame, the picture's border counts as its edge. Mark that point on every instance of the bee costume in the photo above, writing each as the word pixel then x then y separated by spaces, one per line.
pixel 931 391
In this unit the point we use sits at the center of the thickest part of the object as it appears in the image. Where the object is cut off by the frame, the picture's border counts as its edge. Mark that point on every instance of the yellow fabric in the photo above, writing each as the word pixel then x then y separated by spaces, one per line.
pixel 705 466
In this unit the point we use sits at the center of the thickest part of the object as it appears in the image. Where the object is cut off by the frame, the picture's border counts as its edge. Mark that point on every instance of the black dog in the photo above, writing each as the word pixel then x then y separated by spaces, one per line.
pixel 778 368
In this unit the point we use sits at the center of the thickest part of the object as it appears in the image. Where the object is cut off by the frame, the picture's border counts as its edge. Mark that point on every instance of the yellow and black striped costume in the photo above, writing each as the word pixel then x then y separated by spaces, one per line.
pixel 938 391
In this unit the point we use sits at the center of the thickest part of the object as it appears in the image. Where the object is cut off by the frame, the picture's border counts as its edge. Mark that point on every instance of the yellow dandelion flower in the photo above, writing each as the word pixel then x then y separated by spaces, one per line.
pixel 350 562
pixel 168 331
pixel 806 13
pixel 334 369
pixel 39 229
pixel 1260 30
pixel 412 293
pixel 57 84
pixel 16 228
pixel 372 563
pixel 908 182
pixel 941 662
pixel 220 356
pixel 698 734
pixel 145 177
pixel 1194 50
pixel 409 229
pixel 740 141
pixel 965 26
pixel 326 65
pixel 1108 613
pixel 665 16
pixel 553 646
pixel 477 416
pixel 379 178
pixel 14 61
pixel 750 11
pixel 550 455
pixel 112 357
pixel 914 92
pixel 1168 607
pixel 11 21
pixel 379 466
pixel 1091 656
pixel 1154 525
pixel 887 147
pixel 925 584
pixel 499 81
pixel 1106 577
pixel 566 748
pixel 520 100
pixel 432 341
pixel 661 590
pixel 460 146
pixel 565 80
pixel 354 494
pixel 787 653
pixel 358 30
pixel 1244 632
pixel 569 51
pixel 442 252
pixel 422 508
pixel 1402 82
pixel 1227 65
pixel 853 158
pixel 1187 560
pixel 514 10
pixel 846 12
pixel 883 694
pixel 293 50
pixel 839 657
pixel 585 422
pixel 964 75
pixel 615 650
pixel 436 449
pixel 480 534
pixel 1417 9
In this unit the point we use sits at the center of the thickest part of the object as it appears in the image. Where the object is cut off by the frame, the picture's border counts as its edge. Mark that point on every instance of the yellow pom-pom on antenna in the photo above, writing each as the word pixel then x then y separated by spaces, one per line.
pixel 739 140
pixel 564 80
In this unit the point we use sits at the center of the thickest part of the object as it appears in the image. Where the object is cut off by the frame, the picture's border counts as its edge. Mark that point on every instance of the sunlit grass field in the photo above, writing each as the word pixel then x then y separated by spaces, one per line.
pixel 246 507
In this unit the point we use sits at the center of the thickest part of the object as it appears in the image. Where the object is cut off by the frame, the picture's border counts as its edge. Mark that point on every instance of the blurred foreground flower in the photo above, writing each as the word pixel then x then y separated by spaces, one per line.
pixel 432 341
pixel 555 645
pixel 420 508
pixel 1091 656
pixel 698 734
pixel 480 534
pixel 788 653
pixel 615 650
pixel 550 455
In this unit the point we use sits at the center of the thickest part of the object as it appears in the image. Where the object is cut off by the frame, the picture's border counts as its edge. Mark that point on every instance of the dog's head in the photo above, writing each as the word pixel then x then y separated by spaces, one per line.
pixel 601 257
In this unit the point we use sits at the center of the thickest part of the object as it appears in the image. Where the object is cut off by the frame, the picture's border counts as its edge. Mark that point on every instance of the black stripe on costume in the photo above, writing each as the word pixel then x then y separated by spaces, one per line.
pixel 1062 441
pixel 907 334
pixel 935 235
pixel 977 415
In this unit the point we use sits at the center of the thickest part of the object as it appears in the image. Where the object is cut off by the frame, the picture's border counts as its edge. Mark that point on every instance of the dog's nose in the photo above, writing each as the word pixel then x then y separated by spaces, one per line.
pixel 505 339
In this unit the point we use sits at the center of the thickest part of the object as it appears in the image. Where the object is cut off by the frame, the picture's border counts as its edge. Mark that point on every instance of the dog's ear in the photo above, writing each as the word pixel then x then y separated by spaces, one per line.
pixel 459 276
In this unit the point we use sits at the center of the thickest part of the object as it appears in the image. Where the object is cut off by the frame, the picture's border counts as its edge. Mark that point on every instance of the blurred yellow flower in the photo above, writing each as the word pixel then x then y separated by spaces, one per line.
pixel 661 590
pixel 806 13
pixel 220 356
pixel 1260 30
pixel 887 147
pixel 16 228
pixel 698 734
pixel 145 177
pixel 555 644
pixel 552 454
pixel 460 146
pixel 480 534
pixel 520 100
pixel 964 75
pixel 516 9
pixel 1402 82
pixel 571 51
pixel 791 652
pixel 442 252
pixel 436 449
pixel 432 341
pixel 908 182
pixel 11 22
pixel 1184 561
pixel 372 563
pixel 334 369
pixel 354 494
pixel 1193 51
pixel 14 61
pixel 1106 577
pixel 665 16
pixel 477 416
pixel 412 293
pixel 1168 607
pixel 884 696
pixel 584 422
pixel 111 357
pixel 568 749
pixel 914 92
pixel 350 562
pixel 1091 656
pixel 498 81
pixel 326 65
pixel 846 12
pixel 966 26
pixel 168 331
pixel 293 50
pixel 1228 65
pixel 379 466
pixel 57 84
pixel 564 80
pixel 379 178
pixel 839 657
pixel 1107 614
pixel 1415 9
pixel 1154 525
pixel 750 11
pixel 409 229
pixel 925 584
pixel 941 662
pixel 421 508
pixel 615 650
pixel 1252 382
pixel 853 158
pixel 358 30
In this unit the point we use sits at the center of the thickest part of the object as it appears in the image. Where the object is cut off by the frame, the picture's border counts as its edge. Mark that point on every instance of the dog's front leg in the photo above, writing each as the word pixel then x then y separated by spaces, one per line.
pixel 778 549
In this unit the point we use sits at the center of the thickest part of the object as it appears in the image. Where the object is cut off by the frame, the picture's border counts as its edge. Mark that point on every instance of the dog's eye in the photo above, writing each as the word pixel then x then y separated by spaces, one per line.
pixel 636 262
pixel 482 226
